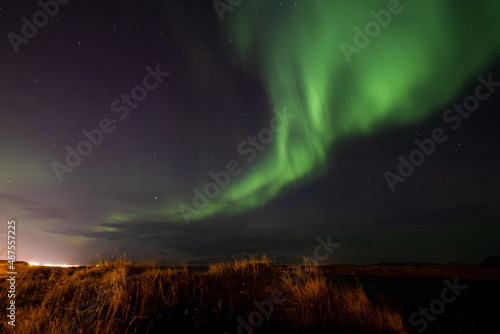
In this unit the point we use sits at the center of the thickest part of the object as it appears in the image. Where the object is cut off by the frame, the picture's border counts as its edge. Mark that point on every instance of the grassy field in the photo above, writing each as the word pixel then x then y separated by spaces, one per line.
pixel 248 295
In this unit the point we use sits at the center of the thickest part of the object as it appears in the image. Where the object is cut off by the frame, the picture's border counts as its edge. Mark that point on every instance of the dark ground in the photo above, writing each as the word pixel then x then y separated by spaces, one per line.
pixel 407 288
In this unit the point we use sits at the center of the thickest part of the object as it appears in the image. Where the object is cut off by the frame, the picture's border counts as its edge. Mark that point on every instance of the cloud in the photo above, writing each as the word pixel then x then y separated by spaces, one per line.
pixel 16 200
pixel 47 212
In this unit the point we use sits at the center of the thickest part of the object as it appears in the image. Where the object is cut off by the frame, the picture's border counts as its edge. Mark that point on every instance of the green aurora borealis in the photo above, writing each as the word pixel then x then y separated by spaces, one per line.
pixel 415 65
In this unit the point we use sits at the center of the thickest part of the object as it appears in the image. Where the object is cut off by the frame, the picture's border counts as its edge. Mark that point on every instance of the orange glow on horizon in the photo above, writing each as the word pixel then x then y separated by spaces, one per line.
pixel 52 265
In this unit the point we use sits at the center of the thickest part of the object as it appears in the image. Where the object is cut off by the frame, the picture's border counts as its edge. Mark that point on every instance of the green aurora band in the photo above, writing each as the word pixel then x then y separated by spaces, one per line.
pixel 415 65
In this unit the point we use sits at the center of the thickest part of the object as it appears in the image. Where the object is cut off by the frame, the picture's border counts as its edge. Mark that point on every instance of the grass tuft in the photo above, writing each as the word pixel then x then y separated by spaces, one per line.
pixel 123 297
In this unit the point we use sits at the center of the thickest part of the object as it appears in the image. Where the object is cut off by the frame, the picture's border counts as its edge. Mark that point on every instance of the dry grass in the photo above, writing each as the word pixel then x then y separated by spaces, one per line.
pixel 122 297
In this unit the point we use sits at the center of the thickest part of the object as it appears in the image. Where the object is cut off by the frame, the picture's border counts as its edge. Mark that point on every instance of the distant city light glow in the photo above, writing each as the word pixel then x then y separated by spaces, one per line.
pixel 52 265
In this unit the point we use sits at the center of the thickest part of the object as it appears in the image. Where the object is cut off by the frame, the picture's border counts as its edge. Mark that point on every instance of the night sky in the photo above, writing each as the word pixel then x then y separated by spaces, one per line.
pixel 191 131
